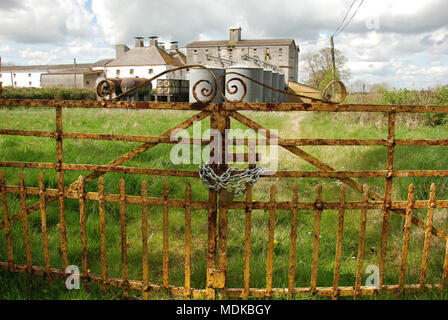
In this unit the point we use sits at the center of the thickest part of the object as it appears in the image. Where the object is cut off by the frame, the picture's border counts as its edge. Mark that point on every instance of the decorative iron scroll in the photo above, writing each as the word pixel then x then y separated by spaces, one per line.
pixel 109 86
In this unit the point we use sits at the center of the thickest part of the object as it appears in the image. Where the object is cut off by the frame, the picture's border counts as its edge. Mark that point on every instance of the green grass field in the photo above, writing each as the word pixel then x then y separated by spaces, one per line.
pixel 289 125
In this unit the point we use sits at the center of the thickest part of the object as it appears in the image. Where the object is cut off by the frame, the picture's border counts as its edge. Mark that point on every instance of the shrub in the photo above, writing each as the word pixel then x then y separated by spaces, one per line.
pixel 49 93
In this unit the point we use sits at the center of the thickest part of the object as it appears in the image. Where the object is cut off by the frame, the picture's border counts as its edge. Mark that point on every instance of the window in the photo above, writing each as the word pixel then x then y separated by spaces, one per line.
pixel 118 73
pixel 150 71
pixel 267 57
pixel 131 72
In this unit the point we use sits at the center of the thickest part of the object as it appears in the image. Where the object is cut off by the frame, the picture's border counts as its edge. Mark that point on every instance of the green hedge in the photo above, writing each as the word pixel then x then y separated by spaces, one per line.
pixel 437 96
pixel 49 93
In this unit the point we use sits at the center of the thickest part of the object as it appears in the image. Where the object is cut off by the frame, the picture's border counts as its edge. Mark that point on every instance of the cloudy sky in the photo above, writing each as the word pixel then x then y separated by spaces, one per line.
pixel 403 42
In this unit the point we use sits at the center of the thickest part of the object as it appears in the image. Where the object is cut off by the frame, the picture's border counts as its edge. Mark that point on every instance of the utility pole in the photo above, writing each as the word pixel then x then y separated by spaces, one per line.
pixel 333 60
pixel 74 70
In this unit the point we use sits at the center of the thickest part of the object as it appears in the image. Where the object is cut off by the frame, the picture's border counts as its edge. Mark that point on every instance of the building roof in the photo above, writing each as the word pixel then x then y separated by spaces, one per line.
pixel 101 63
pixel 58 68
pixel 241 43
pixel 178 55
pixel 144 56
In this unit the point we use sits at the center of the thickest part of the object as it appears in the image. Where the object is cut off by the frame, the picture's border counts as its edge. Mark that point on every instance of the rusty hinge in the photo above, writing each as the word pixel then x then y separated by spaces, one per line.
pixel 216 279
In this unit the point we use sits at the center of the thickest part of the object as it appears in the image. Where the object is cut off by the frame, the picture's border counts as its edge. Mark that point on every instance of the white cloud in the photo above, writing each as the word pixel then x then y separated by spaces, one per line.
pixel 49 21
pixel 410 43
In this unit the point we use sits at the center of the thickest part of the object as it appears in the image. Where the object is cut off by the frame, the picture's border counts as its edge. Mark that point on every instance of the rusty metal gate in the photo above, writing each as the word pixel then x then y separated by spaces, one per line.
pixel 218 205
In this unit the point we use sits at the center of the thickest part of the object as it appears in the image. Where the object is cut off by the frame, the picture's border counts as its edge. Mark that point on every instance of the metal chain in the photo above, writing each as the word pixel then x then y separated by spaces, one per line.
pixel 235 183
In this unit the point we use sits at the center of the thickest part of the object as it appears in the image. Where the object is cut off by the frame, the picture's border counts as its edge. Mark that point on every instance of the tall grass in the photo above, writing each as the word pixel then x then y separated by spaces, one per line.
pixel 289 125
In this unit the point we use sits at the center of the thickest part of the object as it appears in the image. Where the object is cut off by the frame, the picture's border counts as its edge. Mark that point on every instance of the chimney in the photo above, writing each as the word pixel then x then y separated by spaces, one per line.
pixel 139 42
pixel 153 42
pixel 235 34
pixel 120 50
pixel 174 47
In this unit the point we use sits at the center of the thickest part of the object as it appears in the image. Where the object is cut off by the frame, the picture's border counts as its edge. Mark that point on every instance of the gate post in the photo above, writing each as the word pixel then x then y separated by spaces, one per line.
pixel 216 278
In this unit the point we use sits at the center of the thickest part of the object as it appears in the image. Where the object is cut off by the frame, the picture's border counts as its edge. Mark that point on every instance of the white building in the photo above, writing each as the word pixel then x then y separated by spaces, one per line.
pixel 31 76
pixel 146 61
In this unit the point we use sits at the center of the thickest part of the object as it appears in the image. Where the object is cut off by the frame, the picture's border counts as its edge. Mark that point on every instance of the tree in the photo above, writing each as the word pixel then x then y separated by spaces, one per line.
pixel 319 65
pixel 379 87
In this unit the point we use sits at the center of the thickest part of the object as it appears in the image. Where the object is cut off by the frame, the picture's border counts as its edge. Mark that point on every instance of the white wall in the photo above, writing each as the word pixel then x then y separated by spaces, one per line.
pixel 21 79
pixel 143 72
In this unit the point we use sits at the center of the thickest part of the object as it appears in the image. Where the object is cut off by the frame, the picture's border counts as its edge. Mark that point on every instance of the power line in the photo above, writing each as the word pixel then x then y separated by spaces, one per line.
pixel 354 14
pixel 346 15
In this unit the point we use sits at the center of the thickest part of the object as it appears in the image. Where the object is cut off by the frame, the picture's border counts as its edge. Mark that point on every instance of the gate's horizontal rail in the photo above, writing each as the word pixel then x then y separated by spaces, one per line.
pixel 232 106
pixel 281 142
pixel 236 205
pixel 195 174
pixel 343 291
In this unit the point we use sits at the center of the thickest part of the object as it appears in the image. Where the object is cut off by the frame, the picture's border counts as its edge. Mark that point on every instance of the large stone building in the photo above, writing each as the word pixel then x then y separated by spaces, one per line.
pixel 280 55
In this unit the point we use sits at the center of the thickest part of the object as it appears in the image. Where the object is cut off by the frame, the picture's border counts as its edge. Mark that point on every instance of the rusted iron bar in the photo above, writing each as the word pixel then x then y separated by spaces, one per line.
pixel 222 237
pixel 316 238
pixel 82 222
pixel 43 219
pixel 387 194
pixel 406 238
pixel 362 241
pixel 270 253
pixel 26 232
pixel 145 241
pixel 218 122
pixel 427 243
pixel 211 242
pixel 29 133
pixel 332 107
pixel 188 241
pixel 235 205
pixel 102 215
pixel 324 167
pixel 233 106
pixel 247 236
pixel 194 174
pixel 281 142
pixel 6 222
pixel 337 259
pixel 60 197
pixel 445 267
pixel 293 241
pixel 166 235
pixel 231 293
pixel 124 246
pixel 101 168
